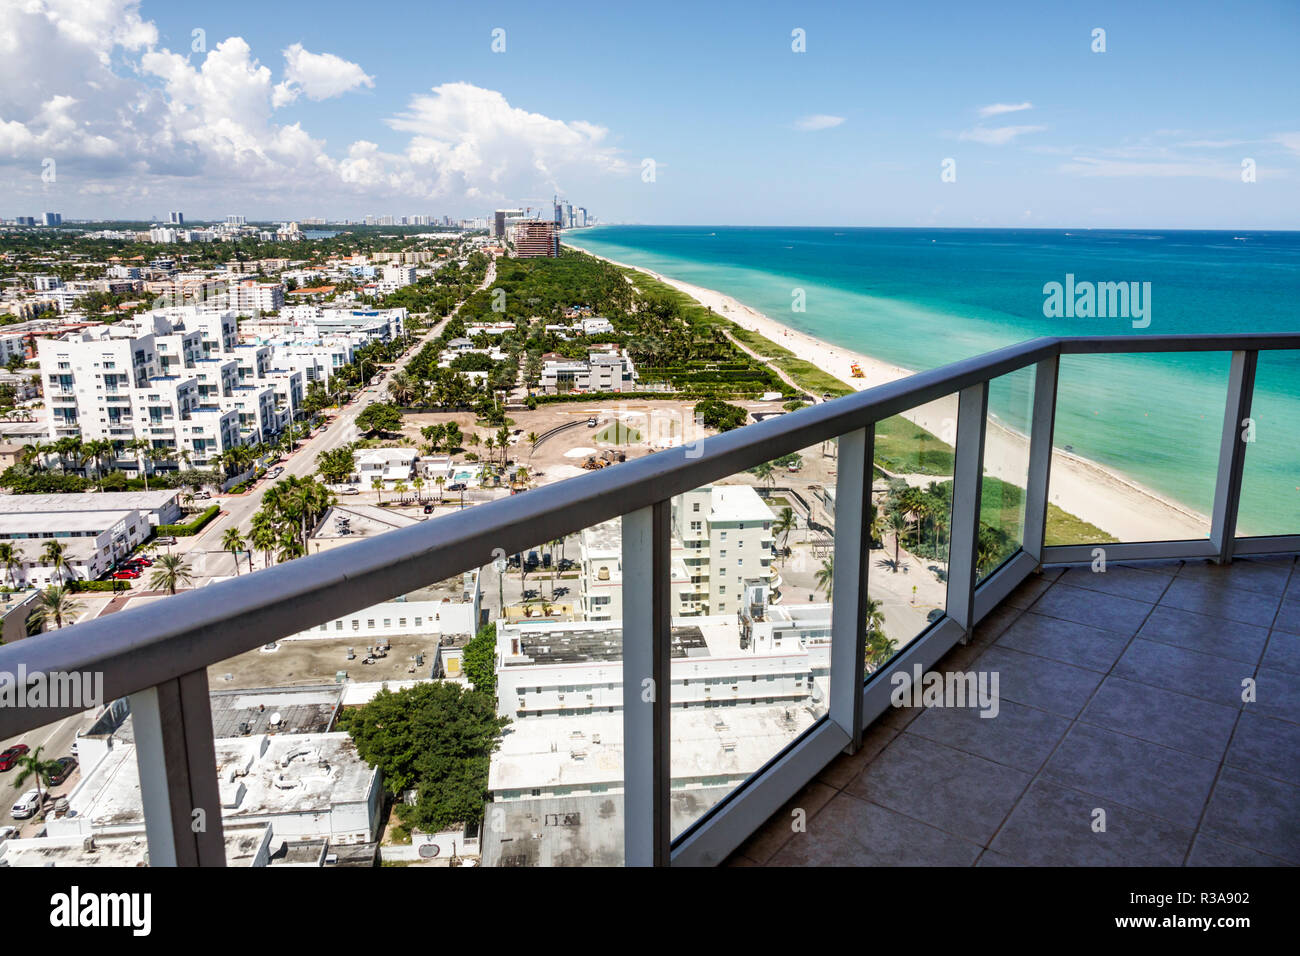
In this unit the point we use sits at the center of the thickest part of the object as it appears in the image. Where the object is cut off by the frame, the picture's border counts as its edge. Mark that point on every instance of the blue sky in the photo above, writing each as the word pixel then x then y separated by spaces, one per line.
pixel 419 115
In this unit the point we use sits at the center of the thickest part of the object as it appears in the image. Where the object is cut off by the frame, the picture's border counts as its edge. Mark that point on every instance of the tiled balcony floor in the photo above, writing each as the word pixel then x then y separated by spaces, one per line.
pixel 1120 691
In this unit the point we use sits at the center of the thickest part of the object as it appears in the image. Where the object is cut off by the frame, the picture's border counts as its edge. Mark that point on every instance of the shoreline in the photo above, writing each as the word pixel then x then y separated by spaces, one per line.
pixel 1084 488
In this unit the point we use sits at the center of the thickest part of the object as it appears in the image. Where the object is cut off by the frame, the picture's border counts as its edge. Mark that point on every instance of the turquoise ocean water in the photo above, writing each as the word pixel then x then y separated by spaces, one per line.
pixel 921 298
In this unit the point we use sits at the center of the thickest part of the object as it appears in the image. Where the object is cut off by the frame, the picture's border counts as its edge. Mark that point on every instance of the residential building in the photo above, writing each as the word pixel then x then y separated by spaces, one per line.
pixel 535 238
pixel 726 531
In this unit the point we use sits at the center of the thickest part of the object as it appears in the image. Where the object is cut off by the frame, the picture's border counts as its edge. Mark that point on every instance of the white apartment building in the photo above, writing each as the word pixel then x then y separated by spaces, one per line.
pixel 250 297
pixel 92 541
pixel 395 277
pixel 601 372
pixel 388 465
pixel 726 534
pixel 173 377
pixel 12 346
pixel 600 576
pixel 370 324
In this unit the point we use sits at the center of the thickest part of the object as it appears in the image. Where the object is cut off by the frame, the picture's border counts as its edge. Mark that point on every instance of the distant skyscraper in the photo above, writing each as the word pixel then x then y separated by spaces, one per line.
pixel 535 238
pixel 236 221
pixel 176 218
pixel 52 219
pixel 582 215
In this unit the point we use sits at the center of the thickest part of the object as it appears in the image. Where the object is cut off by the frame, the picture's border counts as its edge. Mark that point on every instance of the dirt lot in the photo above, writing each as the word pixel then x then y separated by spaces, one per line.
pixel 657 424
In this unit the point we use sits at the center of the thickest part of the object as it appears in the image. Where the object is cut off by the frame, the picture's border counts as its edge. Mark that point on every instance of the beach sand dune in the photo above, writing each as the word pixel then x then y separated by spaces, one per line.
pixel 1111 501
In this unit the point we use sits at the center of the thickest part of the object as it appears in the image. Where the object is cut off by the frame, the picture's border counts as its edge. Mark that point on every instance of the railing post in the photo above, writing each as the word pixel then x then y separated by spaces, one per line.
pixel 1232 453
pixel 1038 481
pixel 647 623
pixel 178 772
pixel 853 513
pixel 968 472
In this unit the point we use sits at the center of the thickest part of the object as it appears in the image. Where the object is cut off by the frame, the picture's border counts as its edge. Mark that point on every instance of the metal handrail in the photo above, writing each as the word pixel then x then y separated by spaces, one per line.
pixel 147 646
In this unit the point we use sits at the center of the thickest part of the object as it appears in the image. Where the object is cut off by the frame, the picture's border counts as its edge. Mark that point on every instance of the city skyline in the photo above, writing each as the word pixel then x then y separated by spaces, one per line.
pixel 937 116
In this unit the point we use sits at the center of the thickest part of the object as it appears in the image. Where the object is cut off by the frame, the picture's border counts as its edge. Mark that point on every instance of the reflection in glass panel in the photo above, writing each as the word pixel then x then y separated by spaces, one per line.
pixel 1006 469
pixel 1270 480
pixel 1136 447
pixel 73 778
pixel 752 574
pixel 907 579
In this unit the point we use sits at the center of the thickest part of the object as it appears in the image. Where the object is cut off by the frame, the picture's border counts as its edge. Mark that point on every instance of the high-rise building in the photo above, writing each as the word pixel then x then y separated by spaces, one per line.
pixel 534 238
pixel 52 219
pixel 236 221
pixel 176 218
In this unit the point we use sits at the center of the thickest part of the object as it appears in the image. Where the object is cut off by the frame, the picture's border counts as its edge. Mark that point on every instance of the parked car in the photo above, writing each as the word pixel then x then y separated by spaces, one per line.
pixel 275 473
pixel 349 491
pixel 203 495
pixel 458 486
pixel 428 509
pixel 27 805
pixel 7 832
pixel 66 766
pixel 140 561
pixel 165 539
pixel 591 423
pixel 126 574
pixel 10 756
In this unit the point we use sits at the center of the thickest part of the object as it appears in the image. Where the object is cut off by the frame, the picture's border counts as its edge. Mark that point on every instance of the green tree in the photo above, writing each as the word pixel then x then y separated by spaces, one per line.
pixel 54 604
pixel 11 559
pixel 30 765
pixel 52 554
pixel 479 659
pixel 435 738
pixel 783 525
pixel 233 542
pixel 380 417
pixel 170 571
pixel 826 576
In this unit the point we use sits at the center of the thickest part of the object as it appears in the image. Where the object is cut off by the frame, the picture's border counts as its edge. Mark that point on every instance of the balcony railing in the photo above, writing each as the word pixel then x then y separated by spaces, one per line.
pixel 159 654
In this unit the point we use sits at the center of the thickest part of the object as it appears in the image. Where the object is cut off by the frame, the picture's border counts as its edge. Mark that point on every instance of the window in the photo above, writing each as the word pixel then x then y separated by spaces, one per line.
pixel 356 625
pixel 695 507
pixel 388 622
pixel 722 536
pixel 338 625
pixel 370 624
pixel 722 589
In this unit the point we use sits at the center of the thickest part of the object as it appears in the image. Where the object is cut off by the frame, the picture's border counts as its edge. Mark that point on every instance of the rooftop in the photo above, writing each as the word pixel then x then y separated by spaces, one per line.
pixel 87 501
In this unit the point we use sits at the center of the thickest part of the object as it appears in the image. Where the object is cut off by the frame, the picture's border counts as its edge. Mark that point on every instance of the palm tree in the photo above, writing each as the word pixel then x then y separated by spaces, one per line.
pixel 826 576
pixel 141 447
pixel 400 488
pixel 440 481
pixel 880 648
pixel 765 473
pixel 418 484
pixel 263 536
pixel 11 559
pixel 169 571
pixel 377 484
pixel 784 524
pixel 532 443
pixel 54 604
pixel 233 542
pixel 897 522
pixel 31 765
pixel 52 553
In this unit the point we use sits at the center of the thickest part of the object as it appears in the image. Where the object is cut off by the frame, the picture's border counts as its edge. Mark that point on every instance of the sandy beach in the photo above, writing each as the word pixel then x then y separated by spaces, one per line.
pixel 1098 495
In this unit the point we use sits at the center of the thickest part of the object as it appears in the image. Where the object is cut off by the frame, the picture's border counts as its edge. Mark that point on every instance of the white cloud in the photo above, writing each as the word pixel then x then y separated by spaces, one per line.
pixel 1289 141
pixel 85 82
pixel 318 76
pixel 818 121
pixel 998 135
pixel 996 109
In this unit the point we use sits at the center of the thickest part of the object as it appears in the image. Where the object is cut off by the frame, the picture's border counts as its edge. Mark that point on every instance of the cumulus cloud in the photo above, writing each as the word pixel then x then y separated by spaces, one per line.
pixel 818 121
pixel 86 83
pixel 318 76
pixel 997 135
pixel 996 109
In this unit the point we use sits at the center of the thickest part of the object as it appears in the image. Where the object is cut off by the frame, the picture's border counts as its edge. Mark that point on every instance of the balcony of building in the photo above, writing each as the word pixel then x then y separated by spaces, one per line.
pixel 1146 698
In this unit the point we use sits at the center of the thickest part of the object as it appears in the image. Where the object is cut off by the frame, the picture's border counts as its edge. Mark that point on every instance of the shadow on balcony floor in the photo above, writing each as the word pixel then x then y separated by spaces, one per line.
pixel 1119 691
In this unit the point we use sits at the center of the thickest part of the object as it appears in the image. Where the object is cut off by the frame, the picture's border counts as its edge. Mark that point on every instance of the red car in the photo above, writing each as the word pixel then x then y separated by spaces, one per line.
pixel 143 562
pixel 126 574
pixel 10 756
